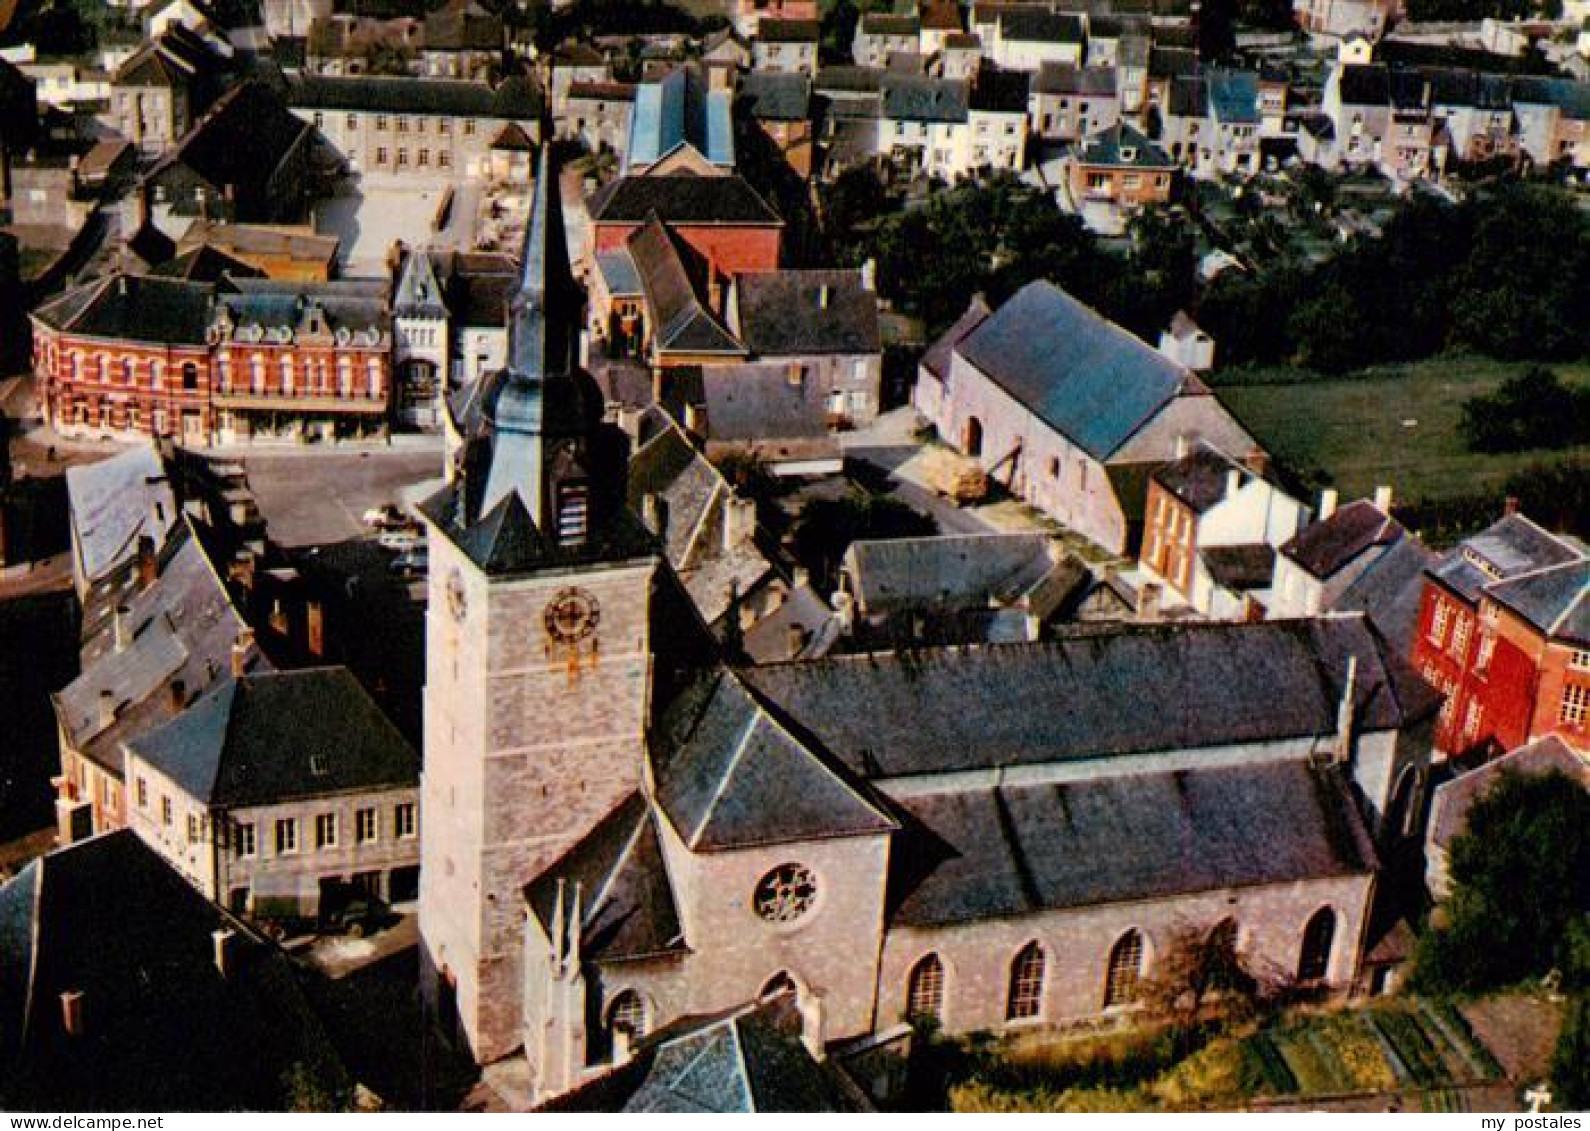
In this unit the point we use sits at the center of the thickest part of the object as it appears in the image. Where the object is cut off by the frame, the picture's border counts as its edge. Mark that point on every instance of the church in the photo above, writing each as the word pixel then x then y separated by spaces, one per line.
pixel 624 825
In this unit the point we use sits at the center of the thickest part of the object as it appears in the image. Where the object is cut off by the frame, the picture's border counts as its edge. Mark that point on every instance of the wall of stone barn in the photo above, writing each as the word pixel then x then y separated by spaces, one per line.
pixel 733 247
pixel 1077 941
pixel 832 949
pixel 1080 496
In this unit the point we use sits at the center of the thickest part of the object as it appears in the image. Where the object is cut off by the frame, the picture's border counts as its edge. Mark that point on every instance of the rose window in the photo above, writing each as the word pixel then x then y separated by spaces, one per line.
pixel 786 893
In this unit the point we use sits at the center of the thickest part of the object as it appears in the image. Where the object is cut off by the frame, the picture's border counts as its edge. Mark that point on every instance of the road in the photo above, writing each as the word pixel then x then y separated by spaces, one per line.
pixel 312 498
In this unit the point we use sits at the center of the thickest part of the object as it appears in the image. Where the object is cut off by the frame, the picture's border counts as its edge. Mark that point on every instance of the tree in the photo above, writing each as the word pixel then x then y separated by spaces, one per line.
pixel 1521 882
pixel 1532 410
pixel 827 527
pixel 1570 1061
pixel 1203 963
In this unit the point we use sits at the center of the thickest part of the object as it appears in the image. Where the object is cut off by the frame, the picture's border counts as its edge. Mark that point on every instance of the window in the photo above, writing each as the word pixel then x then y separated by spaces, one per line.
pixel 1579 661
pixel 190 376
pixel 924 993
pixel 364 826
pixel 424 158
pixel 165 811
pixel 380 155
pixel 1440 617
pixel 627 1015
pixel 320 120
pixel 1472 718
pixel 469 127
pixel 402 125
pixel 1054 467
pixel 1460 636
pixel 286 835
pixel 380 122
pixel 402 158
pixel 353 121
pixel 1026 984
pixel 403 819
pixel 1315 960
pixel 326 830
pixel 785 894
pixel 444 125
pixel 1125 970
pixel 444 159
pixel 1575 705
pixel 1482 659
pixel 143 794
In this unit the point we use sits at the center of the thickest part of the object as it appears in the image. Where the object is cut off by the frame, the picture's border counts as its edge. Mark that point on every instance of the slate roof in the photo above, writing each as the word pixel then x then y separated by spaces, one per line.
pixel 135 308
pixel 973 570
pixel 113 502
pixel 1200 477
pixel 356 305
pixel 504 541
pixel 676 111
pixel 1189 96
pixel 1451 802
pixel 204 264
pixel 1034 23
pixel 1082 696
pixel 1240 568
pixel 887 24
pixel 1508 547
pixel 281 736
pixel 1000 92
pixel 177 58
pixel 1169 62
pixel 1323 548
pixel 682 199
pixel 757 403
pixel 730 775
pixel 1555 600
pixel 792 312
pixel 1017 850
pixel 1234 97
pixel 1364 84
pixel 241 142
pixel 1081 374
pixel 787 31
pixel 1114 145
pixel 618 272
pixel 937 358
pixel 746 1059
pixel 627 908
pixel 921 98
pixel 680 322
pixel 1391 590
pixel 771 96
pixel 1067 78
pixel 164 1030
pixel 393 94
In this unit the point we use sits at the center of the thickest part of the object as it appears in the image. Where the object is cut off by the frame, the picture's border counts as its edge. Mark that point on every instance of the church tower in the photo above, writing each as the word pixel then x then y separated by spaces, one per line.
pixel 538 667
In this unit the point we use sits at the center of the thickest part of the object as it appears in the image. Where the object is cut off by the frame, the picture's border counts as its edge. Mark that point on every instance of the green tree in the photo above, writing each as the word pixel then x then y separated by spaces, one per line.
pixel 827 527
pixel 1532 410
pixel 1521 884
pixel 1570 1061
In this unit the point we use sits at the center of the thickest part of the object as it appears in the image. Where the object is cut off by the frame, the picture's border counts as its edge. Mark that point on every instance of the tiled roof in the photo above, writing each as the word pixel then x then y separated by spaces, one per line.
pixel 1081 374
pixel 1240 568
pixel 1200 477
pixel 1082 696
pixel 682 200
pixel 793 312
pixel 680 322
pixel 1019 850
pixel 281 736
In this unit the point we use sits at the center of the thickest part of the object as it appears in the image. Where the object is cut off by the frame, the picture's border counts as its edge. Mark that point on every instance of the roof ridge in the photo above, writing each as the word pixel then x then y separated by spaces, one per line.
pixel 728 773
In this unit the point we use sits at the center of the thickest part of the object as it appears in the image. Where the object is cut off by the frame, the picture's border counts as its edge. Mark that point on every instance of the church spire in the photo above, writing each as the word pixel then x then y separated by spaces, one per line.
pixel 543 309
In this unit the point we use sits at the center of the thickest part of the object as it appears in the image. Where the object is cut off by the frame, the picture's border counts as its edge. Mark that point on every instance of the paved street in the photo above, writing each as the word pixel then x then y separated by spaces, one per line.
pixel 311 498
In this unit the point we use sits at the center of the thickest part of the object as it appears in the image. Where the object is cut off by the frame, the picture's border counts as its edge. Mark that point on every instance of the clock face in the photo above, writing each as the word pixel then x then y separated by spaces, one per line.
pixel 457 602
pixel 572 615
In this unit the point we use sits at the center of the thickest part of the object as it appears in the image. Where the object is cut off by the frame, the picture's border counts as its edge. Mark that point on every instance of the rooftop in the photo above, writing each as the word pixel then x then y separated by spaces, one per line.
pixel 792 312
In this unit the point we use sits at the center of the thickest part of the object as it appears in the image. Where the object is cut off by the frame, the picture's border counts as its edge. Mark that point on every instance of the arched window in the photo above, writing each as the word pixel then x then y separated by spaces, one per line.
pixel 780 983
pixel 627 1015
pixel 1400 813
pixel 924 995
pixel 974 437
pixel 1126 970
pixel 1318 938
pixel 190 375
pixel 1026 984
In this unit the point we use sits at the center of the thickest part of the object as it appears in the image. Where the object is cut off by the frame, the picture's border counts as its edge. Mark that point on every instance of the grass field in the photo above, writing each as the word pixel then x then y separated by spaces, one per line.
pixel 1397 425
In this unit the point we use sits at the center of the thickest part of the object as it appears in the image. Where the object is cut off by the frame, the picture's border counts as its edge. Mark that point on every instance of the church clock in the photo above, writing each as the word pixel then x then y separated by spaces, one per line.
pixel 571 616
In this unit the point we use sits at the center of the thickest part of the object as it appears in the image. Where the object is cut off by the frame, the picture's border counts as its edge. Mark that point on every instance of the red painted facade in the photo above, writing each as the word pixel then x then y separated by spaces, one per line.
pixel 91 385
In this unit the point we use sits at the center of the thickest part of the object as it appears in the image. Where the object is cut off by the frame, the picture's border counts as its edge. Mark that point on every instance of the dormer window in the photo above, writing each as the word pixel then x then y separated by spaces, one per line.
pixel 1128 154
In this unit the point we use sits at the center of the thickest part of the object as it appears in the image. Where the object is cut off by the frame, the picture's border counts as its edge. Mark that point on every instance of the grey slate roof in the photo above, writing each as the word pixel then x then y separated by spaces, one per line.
pixel 357 306
pixel 1250 566
pixel 1324 547
pixel 787 31
pixel 1002 92
pixel 240 142
pixel 514 98
pixel 730 775
pixel 772 96
pixel 627 908
pixel 135 308
pixel 1125 147
pixel 757 403
pixel 281 736
pixel 680 322
pixel 937 358
pixel 1391 590
pixel 790 312
pixel 972 570
pixel 115 501
pixel 1508 547
pixel 1200 477
pixel 1083 696
pixel 1067 78
pixel 1556 600
pixel 682 199
pixel 1088 378
pixel 921 98
pixel 679 110
pixel 1034 23
pixel 1234 96
pixel 1017 850
pixel 1452 800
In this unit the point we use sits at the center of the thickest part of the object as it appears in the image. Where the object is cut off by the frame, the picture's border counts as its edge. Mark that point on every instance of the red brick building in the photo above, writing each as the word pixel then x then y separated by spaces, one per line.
pixel 1504 632
pixel 723 219
pixel 130 355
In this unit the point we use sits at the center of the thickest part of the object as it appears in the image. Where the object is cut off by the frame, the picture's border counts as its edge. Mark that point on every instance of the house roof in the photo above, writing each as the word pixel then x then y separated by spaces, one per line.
pixel 1391 590
pixel 618 272
pixel 1555 600
pixel 204 264
pixel 1018 850
pixel 357 306
pixel 793 312
pixel 683 199
pixel 730 775
pixel 1124 147
pixel 136 308
pixel 627 908
pixel 1234 96
pixel 940 15
pixel 1038 24
pixel 514 98
pixel 163 1028
pixel 1081 374
pixel 680 322
pixel 241 142
pixel 1000 92
pixel 772 96
pixel 280 736
pixel 1451 802
pixel 1323 548
pixel 176 58
pixel 1170 62
pixel 675 111
pixel 892 715
pixel 1240 568
pixel 921 98
pixel 759 404
pixel 952 570
pixel 1508 547
pixel 115 501
pixel 1201 477
pixel 1364 84
pixel 787 31
pixel 887 24
pixel 937 358
pixel 1067 78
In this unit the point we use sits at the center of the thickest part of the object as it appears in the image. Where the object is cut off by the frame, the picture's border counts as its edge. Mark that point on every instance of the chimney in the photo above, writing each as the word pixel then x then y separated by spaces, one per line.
pixel 1327 503
pixel 695 420
pixel 73 1004
pixel 795 374
pixel 869 275
pixel 1233 483
pixel 1383 499
pixel 822 297
pixel 148 566
pixel 1258 462
pixel 812 1022
pixel 1510 507
pixel 121 627
pixel 1148 595
pixel 107 707
pixel 1181 445
pixel 1344 713
pixel 179 694
pixel 240 649
pixel 651 513
pixel 222 941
